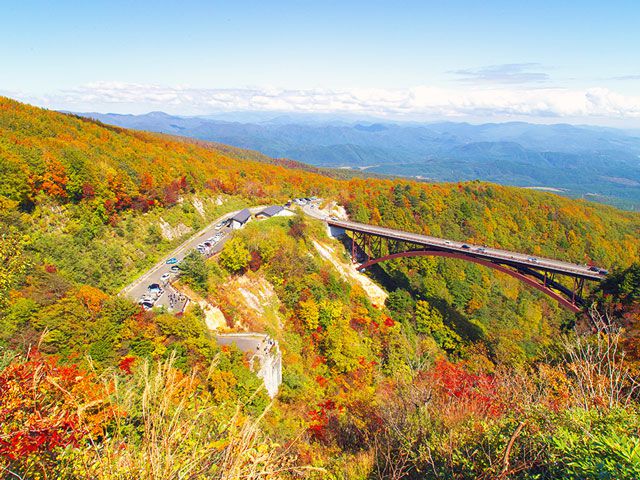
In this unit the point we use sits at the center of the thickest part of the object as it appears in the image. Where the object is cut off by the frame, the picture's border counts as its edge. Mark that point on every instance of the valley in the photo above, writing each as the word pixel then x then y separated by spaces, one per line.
pixel 454 352
pixel 598 164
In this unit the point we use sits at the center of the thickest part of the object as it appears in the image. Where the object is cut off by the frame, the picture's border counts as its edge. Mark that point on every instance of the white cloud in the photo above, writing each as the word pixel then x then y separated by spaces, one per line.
pixel 507 73
pixel 420 102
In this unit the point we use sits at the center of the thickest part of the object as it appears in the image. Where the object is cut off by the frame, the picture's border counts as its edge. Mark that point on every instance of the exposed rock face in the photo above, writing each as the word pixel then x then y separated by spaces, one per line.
pixel 271 370
pixel 170 232
pixel 347 271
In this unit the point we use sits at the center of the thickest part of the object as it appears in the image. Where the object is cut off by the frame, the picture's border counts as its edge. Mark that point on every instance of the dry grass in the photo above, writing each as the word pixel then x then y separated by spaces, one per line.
pixel 169 429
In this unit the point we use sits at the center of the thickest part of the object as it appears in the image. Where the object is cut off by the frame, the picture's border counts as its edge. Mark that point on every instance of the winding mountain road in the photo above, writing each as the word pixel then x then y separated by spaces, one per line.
pixel 139 287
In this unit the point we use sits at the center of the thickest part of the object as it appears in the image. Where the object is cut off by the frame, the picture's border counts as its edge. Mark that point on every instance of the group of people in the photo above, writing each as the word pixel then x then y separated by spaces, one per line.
pixel 266 345
pixel 176 298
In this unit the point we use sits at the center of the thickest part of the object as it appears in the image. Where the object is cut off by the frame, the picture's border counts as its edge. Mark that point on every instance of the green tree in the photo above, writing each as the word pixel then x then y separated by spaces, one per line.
pixel 429 321
pixel 401 305
pixel 194 270
pixel 12 261
pixel 235 256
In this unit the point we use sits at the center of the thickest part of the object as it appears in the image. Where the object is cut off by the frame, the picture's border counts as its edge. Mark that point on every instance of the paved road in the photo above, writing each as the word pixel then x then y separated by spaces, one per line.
pixel 504 256
pixel 256 343
pixel 265 349
pixel 139 287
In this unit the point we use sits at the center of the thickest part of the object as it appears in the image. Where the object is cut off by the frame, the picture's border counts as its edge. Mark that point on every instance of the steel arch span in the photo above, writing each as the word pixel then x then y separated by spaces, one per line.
pixel 571 305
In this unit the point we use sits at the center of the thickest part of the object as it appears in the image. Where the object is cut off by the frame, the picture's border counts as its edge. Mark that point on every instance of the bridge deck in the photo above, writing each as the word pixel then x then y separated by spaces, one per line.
pixel 504 257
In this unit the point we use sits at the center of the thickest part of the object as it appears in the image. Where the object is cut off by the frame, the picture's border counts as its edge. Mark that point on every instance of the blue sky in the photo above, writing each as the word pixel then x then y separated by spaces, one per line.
pixel 575 61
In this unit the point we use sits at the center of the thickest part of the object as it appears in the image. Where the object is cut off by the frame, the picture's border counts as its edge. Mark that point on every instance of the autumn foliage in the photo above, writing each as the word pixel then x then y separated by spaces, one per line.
pixel 47 406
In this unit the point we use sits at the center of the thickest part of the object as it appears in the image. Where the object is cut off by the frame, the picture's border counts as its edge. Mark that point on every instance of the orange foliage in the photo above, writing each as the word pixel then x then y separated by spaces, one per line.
pixel 91 298
pixel 47 405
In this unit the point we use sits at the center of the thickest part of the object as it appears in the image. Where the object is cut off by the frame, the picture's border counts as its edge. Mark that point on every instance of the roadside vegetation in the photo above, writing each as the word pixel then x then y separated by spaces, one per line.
pixel 461 374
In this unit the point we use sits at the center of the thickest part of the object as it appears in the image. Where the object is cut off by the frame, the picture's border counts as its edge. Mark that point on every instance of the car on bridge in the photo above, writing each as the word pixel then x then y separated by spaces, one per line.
pixel 466 247
pixel 532 259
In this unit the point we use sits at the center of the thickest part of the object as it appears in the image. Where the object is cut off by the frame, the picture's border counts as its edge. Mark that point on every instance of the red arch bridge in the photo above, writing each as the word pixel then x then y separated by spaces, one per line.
pixel 372 244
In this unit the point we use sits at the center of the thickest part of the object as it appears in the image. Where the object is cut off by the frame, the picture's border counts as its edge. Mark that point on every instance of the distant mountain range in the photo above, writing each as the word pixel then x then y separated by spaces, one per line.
pixel 596 163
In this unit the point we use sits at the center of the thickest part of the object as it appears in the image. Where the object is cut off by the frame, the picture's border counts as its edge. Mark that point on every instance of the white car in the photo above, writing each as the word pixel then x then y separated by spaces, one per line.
pixel 165 277
pixel 147 305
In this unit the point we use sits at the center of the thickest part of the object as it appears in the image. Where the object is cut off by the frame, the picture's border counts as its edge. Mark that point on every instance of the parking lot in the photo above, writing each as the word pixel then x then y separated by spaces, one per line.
pixel 154 288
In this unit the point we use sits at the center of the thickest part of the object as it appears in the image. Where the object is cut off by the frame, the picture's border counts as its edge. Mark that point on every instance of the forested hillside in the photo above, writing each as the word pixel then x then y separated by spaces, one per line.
pixel 575 160
pixel 458 364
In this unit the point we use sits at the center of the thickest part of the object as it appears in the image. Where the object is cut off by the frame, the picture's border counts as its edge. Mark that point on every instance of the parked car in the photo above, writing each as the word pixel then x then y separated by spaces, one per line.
pixel 175 269
pixel 172 261
pixel 154 288
pixel 147 305
pixel 165 277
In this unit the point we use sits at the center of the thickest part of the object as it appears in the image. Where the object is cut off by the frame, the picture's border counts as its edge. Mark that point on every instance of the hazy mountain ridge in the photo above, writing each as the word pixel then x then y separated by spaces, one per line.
pixel 596 162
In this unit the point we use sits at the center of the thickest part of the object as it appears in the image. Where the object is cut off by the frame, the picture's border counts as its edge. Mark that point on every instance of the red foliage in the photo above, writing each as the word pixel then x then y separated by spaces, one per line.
pixel 214 185
pixel 88 191
pixel 49 268
pixel 126 363
pixel 141 203
pixel 358 323
pixel 320 380
pixel 44 407
pixel 170 194
pixel 320 419
pixel 255 262
pixel 473 393
pixel 319 360
pixel 122 198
